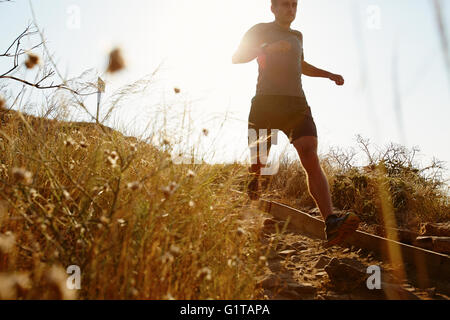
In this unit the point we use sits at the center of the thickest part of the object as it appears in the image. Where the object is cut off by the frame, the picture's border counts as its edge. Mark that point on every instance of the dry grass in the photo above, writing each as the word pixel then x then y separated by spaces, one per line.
pixel 139 226
pixel 418 193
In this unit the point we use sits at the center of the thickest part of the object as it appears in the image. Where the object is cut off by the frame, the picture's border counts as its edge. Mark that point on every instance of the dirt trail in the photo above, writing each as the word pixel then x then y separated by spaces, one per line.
pixel 299 267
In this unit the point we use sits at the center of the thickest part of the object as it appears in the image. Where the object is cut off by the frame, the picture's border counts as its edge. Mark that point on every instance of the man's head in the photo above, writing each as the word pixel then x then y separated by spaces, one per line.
pixel 284 10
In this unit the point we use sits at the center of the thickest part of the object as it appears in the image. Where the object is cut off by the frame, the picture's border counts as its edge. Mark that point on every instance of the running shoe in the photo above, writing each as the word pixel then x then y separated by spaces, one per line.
pixel 338 228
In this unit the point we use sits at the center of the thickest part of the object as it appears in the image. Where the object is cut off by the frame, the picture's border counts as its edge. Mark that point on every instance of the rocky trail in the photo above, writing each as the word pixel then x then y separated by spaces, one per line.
pixel 299 267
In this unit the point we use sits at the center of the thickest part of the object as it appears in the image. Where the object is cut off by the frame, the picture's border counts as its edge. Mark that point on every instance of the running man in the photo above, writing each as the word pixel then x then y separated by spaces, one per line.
pixel 280 103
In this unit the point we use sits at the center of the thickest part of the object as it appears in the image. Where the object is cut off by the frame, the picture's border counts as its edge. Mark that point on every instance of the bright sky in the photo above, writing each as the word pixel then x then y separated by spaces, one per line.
pixel 198 37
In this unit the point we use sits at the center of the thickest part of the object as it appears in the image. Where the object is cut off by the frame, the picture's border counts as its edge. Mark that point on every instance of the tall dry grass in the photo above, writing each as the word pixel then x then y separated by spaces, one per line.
pixel 418 193
pixel 138 225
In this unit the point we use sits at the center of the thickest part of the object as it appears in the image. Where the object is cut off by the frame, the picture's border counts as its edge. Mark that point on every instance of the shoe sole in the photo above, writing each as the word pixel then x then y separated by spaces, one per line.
pixel 347 228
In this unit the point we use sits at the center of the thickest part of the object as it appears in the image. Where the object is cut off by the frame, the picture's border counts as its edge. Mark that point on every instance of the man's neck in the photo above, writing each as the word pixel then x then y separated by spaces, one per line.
pixel 284 26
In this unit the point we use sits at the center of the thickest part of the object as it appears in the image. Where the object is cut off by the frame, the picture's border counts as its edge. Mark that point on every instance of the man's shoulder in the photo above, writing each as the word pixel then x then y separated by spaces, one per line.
pixel 298 34
pixel 260 26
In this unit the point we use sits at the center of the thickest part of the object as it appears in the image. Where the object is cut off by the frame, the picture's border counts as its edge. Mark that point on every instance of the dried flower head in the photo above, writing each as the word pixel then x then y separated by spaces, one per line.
pixel 174 249
pixel 2 102
pixel 190 174
pixel 21 175
pixel 114 155
pixel 33 59
pixel 116 61
pixel 111 161
pixel 105 220
pixel 177 90
pixel 83 144
pixel 121 222
pixel 34 194
pixel 72 164
pixel 69 142
pixel 170 189
pixel 167 258
pixel 231 263
pixel 66 195
pixel 134 186
pixel 240 231
pixel 204 273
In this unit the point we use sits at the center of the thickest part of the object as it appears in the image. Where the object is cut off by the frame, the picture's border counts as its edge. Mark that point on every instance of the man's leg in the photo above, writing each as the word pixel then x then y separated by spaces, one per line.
pixel 336 228
pixel 317 182
pixel 256 162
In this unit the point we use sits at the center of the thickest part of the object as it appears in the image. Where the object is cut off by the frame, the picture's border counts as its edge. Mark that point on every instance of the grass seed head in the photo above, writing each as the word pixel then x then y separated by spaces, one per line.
pixel 116 61
pixel 83 144
pixel 134 186
pixel 2 102
pixel 190 174
pixel 33 59
pixel 69 142
pixel 204 273
pixel 23 176
pixel 167 258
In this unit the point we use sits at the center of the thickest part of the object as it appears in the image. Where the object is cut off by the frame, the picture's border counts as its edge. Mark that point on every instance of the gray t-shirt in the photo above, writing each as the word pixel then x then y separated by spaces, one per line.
pixel 279 73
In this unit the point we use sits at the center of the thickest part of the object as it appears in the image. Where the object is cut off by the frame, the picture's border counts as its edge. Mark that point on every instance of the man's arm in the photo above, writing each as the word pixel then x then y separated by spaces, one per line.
pixel 249 47
pixel 311 71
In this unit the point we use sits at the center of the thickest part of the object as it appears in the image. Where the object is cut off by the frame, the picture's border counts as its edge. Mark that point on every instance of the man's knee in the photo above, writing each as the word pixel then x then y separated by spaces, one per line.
pixel 307 150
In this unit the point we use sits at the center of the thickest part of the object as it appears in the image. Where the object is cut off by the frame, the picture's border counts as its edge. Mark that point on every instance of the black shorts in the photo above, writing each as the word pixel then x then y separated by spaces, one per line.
pixel 290 114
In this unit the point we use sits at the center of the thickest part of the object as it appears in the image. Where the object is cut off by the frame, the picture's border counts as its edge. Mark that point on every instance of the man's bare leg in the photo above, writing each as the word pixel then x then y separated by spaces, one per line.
pixel 258 164
pixel 317 181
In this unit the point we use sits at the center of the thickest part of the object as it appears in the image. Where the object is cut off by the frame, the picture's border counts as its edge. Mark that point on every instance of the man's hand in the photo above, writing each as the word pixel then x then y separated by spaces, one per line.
pixel 279 46
pixel 336 78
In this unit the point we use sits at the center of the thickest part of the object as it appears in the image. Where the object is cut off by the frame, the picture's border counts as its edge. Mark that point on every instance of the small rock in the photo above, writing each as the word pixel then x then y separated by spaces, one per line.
pixel 271 281
pixel 299 246
pixel 291 265
pixel 321 274
pixel 431 291
pixel 287 252
pixel 302 289
pixel 322 262
pixel 345 277
pixel 270 226
pixel 314 212
pixel 397 292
